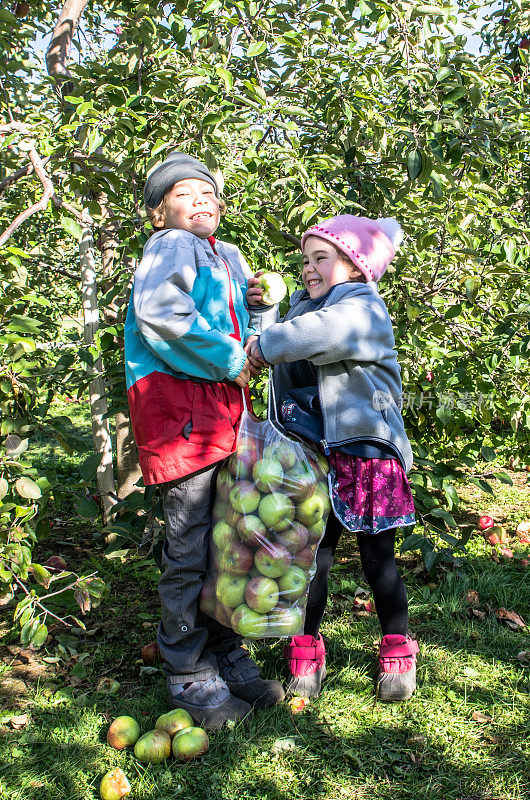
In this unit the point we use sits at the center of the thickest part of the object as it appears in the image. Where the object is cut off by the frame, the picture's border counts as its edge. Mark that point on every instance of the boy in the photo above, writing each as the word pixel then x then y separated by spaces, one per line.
pixel 186 367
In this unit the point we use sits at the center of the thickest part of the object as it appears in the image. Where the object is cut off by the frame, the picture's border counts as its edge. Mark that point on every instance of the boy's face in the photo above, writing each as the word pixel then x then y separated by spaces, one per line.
pixel 191 205
pixel 323 267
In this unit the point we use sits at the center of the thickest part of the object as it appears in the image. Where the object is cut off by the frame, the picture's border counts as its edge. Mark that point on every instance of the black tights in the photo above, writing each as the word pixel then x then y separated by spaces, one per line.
pixel 379 566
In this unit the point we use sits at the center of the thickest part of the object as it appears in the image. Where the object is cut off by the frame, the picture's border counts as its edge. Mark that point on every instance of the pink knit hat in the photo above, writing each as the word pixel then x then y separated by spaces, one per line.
pixel 371 244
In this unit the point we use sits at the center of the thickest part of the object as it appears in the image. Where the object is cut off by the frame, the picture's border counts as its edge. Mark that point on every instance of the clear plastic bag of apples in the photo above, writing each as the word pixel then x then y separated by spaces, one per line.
pixel 269 515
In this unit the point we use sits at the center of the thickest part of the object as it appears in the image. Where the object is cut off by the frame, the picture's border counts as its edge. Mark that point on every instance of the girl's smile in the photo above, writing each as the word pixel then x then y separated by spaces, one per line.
pixel 324 267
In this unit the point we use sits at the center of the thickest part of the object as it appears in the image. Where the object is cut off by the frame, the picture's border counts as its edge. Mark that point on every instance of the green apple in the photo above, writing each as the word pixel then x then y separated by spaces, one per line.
pixel 153 747
pixel 267 474
pixel 223 614
pixel 123 732
pixel 292 584
pixel 230 589
pixel 299 483
pixel 315 531
pixel 285 453
pixel 293 538
pixel 251 530
pixel 285 621
pixel 272 560
pixel 276 511
pixel 244 497
pixel 249 623
pixel 114 785
pixel 241 462
pixel 190 743
pixel 261 594
pixel 273 288
pixel 225 483
pixel 223 535
pixel 174 721
pixel 311 510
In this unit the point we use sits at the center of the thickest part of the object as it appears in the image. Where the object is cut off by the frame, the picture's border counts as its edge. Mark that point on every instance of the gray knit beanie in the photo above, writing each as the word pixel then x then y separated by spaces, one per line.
pixel 176 167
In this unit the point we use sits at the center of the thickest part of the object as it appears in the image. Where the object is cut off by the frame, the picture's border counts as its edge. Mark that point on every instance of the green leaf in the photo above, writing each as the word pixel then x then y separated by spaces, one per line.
pixel 488 453
pixel 413 542
pixel 256 49
pixel 39 637
pixel 429 559
pixel 226 76
pixel 41 574
pixel 454 95
pixel 472 286
pixel 24 324
pixel 28 488
pixel 29 631
pixel 414 164
pixel 4 488
pixel 89 468
pixel 72 227
pixel 503 477
pixel 86 508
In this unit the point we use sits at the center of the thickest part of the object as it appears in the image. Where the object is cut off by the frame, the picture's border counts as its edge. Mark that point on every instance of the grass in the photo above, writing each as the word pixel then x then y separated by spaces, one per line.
pixel 344 745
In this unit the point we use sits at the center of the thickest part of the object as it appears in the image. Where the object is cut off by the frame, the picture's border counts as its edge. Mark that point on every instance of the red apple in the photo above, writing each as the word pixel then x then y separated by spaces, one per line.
pixel 151 654
pixel 261 594
pixel 236 559
pixel 251 530
pixel 123 732
pixel 493 539
pixel 486 522
pixel 294 538
pixel 56 562
pixel 304 558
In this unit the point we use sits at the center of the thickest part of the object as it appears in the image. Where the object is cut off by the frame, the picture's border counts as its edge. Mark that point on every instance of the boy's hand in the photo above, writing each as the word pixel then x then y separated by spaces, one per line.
pixel 254 292
pixel 244 376
pixel 254 355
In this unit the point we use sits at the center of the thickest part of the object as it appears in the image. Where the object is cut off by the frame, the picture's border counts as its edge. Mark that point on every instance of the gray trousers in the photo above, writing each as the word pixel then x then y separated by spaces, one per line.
pixel 188 639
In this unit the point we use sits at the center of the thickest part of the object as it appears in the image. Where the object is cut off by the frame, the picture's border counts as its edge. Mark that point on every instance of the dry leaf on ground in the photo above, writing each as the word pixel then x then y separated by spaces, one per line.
pixel 478 716
pixel 512 618
pixel 472 597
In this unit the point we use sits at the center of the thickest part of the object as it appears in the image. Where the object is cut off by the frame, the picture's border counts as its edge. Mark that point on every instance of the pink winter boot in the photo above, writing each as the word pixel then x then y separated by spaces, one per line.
pixel 396 679
pixel 306 658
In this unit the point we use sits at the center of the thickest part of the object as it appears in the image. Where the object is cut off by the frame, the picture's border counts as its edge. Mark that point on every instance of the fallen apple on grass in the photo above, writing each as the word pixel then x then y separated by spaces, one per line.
pixel 123 732
pixel 486 522
pixel 190 743
pixel 151 654
pixel 56 562
pixel 496 535
pixel 273 288
pixel 153 747
pixel 114 785
pixel 174 721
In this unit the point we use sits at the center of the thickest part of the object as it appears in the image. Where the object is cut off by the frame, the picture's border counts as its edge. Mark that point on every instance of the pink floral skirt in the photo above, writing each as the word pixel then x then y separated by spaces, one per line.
pixel 370 495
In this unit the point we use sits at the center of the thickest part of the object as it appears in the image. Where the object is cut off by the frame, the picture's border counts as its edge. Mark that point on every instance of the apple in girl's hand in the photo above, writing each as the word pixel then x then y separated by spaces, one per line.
pixel 230 589
pixel 272 560
pixel 114 785
pixel 244 497
pixel 236 559
pixel 251 530
pixel 190 743
pixel 261 594
pixel 486 522
pixel 273 288
pixel 292 583
pixel 223 535
pixel 267 474
pixel 247 622
pixel 293 538
pixel 276 511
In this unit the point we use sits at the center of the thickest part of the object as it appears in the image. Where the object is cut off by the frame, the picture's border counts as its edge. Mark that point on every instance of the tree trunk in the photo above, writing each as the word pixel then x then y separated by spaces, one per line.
pixel 127 455
pixel 98 399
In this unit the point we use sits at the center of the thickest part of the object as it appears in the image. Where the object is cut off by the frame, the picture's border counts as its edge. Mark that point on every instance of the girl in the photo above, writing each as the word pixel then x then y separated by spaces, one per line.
pixel 337 382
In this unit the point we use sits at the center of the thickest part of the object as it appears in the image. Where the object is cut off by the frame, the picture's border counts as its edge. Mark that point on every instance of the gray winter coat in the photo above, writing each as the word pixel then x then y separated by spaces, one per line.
pixel 351 342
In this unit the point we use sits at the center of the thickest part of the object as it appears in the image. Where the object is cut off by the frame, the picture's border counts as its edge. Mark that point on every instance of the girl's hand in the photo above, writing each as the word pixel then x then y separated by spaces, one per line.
pixel 254 292
pixel 253 352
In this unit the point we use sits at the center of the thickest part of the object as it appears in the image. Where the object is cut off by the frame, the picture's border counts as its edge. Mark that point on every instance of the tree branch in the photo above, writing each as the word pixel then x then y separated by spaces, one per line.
pixel 61 41
pixel 40 205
